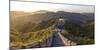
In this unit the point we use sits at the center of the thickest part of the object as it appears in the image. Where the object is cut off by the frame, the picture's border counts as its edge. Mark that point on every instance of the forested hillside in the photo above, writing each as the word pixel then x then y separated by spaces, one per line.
pixel 34 27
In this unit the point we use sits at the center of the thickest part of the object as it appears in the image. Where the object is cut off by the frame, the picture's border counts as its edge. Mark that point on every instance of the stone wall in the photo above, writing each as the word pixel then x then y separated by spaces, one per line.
pixel 66 41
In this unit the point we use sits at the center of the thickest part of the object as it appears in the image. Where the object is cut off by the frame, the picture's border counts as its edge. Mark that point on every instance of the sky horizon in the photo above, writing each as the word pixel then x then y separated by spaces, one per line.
pixel 32 7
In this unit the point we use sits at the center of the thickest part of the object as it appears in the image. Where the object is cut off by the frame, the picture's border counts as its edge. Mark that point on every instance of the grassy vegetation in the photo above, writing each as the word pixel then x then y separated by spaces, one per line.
pixel 19 38
pixel 30 33
pixel 80 34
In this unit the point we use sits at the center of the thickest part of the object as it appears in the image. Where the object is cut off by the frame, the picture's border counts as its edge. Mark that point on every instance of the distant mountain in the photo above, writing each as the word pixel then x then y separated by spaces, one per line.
pixel 89 15
pixel 40 11
pixel 75 17
pixel 45 15
pixel 32 19
pixel 22 22
pixel 19 13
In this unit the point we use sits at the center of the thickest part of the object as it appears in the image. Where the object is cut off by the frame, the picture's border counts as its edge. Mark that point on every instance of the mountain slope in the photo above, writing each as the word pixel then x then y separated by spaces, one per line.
pixel 37 17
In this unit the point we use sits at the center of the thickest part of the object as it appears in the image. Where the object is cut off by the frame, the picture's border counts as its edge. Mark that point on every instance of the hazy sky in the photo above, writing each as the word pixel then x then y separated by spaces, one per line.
pixel 32 7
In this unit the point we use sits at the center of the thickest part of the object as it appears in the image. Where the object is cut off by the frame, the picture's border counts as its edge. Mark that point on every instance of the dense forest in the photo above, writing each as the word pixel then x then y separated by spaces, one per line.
pixel 81 34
